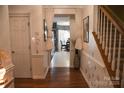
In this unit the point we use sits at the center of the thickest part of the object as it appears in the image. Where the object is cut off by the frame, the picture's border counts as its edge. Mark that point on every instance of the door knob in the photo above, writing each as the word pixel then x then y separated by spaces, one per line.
pixel 13 52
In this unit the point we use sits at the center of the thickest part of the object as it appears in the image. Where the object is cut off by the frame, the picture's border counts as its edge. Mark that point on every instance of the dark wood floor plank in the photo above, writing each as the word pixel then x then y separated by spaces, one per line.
pixel 56 78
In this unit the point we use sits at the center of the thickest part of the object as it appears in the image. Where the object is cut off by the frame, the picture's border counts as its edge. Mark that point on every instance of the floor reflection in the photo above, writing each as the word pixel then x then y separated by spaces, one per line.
pixel 61 59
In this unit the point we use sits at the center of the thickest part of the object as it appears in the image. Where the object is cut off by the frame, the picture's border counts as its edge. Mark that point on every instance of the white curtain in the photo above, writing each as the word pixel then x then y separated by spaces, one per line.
pixel 49 21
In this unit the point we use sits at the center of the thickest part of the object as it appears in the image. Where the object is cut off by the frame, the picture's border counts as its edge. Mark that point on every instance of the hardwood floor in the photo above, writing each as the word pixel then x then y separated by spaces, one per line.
pixel 60 77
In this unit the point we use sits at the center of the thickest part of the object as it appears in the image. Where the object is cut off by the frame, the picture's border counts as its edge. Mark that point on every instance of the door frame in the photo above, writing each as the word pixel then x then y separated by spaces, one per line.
pixel 72 50
pixel 62 15
pixel 29 34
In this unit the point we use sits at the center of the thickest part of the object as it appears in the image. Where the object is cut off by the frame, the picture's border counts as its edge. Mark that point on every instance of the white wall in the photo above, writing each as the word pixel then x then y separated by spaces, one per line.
pixel 4 34
pixel 37 27
pixel 92 65
pixel 4 28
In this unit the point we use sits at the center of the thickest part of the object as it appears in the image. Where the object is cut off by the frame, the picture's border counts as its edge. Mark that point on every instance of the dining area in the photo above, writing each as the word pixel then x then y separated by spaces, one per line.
pixel 65 46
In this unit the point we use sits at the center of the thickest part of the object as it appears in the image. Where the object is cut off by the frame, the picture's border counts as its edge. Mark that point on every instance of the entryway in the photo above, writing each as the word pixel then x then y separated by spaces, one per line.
pixel 61 51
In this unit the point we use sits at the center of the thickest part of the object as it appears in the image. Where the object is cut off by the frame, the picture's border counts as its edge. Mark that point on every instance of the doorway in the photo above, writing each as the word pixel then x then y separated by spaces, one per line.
pixel 20 45
pixel 61 38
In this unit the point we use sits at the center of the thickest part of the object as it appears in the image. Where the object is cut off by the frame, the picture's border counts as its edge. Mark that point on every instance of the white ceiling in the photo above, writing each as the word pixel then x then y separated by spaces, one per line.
pixel 61 19
pixel 64 6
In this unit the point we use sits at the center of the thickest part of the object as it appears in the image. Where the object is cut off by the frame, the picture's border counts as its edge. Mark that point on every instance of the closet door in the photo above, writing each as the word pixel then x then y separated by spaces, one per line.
pixel 20 44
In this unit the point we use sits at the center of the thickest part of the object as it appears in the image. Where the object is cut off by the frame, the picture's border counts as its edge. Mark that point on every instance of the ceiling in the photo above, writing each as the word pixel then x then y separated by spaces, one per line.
pixel 64 6
pixel 61 19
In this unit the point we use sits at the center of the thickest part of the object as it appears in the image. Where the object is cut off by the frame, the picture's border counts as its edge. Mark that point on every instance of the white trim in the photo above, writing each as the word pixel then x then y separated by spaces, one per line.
pixel 45 73
pixel 36 77
pixel 43 76
pixel 85 77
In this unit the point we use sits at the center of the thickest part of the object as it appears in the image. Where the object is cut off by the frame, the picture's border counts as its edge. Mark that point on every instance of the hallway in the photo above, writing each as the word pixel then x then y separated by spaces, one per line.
pixel 56 78
pixel 38 43
pixel 61 59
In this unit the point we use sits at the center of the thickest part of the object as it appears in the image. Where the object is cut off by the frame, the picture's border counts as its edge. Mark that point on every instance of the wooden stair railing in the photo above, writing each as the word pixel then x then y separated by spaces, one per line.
pixel 110 41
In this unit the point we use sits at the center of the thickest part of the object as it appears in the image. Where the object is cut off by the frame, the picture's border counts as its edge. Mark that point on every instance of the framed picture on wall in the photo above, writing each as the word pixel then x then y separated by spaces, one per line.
pixel 86 29
pixel 45 30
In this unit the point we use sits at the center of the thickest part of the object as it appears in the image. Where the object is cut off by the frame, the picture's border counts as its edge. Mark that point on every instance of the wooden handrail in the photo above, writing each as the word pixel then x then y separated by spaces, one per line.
pixel 112 18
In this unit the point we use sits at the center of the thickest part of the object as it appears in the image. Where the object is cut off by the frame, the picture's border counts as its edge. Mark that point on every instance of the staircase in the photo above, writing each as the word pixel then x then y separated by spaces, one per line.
pixel 110 41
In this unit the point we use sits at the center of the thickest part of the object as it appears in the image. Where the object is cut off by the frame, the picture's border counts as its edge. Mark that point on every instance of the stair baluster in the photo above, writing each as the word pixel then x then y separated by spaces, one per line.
pixel 101 28
pixel 118 59
pixel 106 47
pixel 113 59
pixel 98 23
pixel 110 44
pixel 103 40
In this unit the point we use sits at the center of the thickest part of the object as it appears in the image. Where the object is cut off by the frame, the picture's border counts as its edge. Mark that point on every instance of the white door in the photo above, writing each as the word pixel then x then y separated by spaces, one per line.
pixel 20 43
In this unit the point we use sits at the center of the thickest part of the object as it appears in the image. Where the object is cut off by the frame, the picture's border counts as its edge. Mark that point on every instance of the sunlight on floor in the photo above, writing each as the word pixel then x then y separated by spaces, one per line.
pixel 61 59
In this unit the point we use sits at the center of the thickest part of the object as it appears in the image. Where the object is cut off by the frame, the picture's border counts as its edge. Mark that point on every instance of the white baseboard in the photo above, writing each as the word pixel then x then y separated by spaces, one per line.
pixel 43 76
pixel 85 77
pixel 45 73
